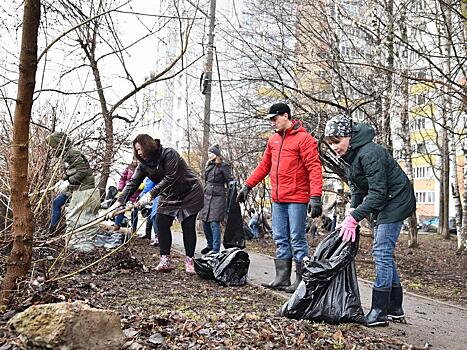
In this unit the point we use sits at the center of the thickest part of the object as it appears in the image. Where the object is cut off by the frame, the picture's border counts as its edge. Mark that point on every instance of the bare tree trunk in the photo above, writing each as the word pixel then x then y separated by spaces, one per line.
pixel 412 240
pixel 462 239
pixel 386 116
pixel 208 78
pixel 20 257
pixel 445 50
pixel 88 44
pixel 443 228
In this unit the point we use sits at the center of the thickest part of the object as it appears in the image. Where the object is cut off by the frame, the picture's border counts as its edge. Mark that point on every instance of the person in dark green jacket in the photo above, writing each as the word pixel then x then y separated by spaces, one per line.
pixel 78 186
pixel 77 174
pixel 381 191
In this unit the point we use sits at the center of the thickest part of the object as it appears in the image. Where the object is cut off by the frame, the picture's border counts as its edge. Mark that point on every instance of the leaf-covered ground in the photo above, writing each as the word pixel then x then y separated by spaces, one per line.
pixel 178 311
pixel 433 269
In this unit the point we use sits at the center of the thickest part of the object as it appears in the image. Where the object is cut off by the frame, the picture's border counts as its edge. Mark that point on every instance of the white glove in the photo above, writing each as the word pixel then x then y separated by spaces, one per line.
pixel 62 186
pixel 144 200
pixel 110 212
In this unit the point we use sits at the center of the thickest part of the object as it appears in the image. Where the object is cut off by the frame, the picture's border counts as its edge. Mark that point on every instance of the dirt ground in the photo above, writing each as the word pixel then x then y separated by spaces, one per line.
pixel 434 269
pixel 179 311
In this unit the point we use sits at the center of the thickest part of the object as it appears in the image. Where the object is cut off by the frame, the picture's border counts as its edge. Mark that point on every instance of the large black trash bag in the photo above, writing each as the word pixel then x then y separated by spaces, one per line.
pixel 228 267
pixel 329 290
pixel 234 236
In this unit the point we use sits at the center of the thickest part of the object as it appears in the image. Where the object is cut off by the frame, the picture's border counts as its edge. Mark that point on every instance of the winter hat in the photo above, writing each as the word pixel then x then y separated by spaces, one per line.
pixel 215 149
pixel 278 109
pixel 339 126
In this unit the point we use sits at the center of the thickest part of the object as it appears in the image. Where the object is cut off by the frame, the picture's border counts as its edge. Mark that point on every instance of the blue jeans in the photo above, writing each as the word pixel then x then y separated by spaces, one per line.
pixel 57 205
pixel 288 230
pixel 212 231
pixel 384 243
pixel 254 227
pixel 134 219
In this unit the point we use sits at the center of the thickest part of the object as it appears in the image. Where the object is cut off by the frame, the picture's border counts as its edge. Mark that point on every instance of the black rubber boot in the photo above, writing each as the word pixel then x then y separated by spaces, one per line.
pixel 378 315
pixel 205 250
pixel 395 311
pixel 298 277
pixel 282 280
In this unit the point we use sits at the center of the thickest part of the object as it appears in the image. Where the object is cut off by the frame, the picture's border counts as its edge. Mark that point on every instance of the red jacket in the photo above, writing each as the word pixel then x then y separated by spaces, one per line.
pixel 292 161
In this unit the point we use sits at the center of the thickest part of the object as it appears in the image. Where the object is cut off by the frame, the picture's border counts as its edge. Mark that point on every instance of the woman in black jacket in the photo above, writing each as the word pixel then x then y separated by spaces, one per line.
pixel 217 175
pixel 380 189
pixel 180 195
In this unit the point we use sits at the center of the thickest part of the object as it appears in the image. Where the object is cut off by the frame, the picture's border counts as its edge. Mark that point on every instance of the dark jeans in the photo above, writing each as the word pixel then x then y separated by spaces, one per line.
pixel 134 219
pixel 164 222
pixel 57 205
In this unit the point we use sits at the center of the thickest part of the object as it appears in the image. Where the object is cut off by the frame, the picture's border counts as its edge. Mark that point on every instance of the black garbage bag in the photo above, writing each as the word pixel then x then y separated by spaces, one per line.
pixel 228 267
pixel 234 236
pixel 329 289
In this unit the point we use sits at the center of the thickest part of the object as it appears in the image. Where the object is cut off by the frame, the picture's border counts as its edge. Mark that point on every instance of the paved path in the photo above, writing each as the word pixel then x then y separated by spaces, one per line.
pixel 439 324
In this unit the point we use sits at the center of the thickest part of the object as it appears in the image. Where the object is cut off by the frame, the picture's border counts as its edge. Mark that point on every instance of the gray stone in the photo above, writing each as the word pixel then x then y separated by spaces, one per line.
pixel 69 326
pixel 157 339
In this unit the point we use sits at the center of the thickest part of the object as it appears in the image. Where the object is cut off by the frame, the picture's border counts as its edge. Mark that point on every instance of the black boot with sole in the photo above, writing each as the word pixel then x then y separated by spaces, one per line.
pixel 378 315
pixel 395 311
pixel 298 277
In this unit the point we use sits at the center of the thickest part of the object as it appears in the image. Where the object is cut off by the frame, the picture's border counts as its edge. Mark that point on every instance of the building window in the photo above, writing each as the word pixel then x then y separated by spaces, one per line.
pixel 418 5
pixel 398 154
pixel 420 124
pixel 425 197
pixel 423 172
pixel 419 148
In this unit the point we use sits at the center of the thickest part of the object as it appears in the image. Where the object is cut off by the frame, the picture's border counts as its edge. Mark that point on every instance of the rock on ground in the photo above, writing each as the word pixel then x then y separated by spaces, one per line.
pixel 70 326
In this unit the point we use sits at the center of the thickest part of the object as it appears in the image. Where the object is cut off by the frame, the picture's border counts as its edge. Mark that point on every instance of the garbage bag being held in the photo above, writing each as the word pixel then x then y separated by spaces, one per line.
pixel 234 235
pixel 329 289
pixel 228 267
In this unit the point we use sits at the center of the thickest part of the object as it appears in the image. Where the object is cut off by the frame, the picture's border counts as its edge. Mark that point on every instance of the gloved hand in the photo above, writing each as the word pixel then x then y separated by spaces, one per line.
pixel 110 212
pixel 241 197
pixel 62 186
pixel 349 229
pixel 315 207
pixel 144 200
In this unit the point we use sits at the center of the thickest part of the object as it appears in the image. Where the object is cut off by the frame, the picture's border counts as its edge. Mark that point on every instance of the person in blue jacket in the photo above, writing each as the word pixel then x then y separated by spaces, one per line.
pixel 151 224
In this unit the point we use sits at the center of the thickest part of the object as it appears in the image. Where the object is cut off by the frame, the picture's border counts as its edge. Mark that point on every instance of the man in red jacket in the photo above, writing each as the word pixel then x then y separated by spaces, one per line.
pixel 292 161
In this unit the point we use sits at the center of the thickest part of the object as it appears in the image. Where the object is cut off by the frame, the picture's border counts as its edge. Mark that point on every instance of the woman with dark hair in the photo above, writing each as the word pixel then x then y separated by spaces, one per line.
pixel 180 195
pixel 381 190
pixel 217 175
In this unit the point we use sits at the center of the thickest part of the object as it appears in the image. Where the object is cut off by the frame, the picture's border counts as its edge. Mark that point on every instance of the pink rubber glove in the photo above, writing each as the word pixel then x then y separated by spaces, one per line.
pixel 348 229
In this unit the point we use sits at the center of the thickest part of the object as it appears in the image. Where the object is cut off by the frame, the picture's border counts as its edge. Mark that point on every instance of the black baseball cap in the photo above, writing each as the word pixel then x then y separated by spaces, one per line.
pixel 278 109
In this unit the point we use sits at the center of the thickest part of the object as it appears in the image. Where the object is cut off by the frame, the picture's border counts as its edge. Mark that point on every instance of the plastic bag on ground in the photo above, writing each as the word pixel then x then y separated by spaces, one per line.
pixel 109 241
pixel 82 210
pixel 329 289
pixel 234 236
pixel 228 267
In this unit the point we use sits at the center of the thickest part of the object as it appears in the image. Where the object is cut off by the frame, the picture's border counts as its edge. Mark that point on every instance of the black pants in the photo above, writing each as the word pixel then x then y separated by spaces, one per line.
pixel 164 222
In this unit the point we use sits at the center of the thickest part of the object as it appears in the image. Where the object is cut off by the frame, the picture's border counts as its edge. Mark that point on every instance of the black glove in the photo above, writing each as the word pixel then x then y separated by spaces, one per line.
pixel 241 197
pixel 315 207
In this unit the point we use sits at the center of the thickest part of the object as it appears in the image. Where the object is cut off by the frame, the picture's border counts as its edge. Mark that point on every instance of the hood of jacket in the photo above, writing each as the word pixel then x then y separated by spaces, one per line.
pixel 361 135
pixel 57 139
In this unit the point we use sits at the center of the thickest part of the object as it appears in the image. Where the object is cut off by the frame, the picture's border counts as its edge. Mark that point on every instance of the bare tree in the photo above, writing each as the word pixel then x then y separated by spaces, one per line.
pixel 20 257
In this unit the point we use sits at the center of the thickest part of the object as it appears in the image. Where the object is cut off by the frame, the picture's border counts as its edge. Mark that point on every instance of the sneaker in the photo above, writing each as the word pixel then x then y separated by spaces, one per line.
pixel 189 266
pixel 205 250
pixel 165 264
pixel 155 242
